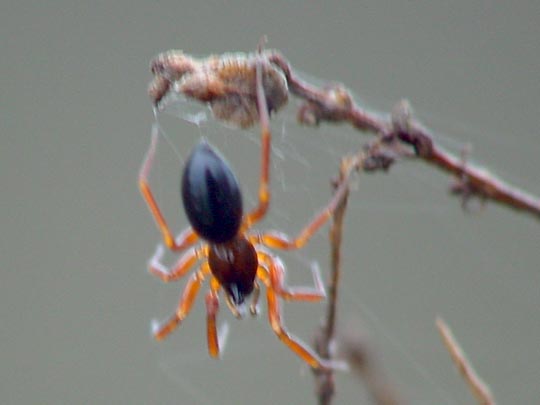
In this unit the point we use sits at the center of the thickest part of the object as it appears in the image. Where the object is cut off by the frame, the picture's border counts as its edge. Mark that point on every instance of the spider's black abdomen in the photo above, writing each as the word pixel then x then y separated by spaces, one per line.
pixel 211 195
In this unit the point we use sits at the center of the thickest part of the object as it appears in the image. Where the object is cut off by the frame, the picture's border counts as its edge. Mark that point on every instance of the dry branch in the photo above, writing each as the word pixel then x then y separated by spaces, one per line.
pixel 335 104
pixel 226 83
pixel 372 157
pixel 478 387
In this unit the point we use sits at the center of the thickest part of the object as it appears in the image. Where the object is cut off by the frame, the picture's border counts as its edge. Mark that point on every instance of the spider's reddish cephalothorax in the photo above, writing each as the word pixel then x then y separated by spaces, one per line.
pixel 232 257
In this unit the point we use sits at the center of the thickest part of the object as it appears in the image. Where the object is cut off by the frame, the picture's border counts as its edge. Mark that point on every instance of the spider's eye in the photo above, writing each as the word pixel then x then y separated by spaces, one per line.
pixel 211 195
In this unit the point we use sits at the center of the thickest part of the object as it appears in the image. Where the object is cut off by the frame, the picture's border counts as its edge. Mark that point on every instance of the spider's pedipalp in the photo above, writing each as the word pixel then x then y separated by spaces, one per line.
pixel 253 307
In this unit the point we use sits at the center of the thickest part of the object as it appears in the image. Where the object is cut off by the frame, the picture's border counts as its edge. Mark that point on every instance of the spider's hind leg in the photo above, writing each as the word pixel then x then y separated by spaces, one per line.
pixel 272 274
pixel 296 345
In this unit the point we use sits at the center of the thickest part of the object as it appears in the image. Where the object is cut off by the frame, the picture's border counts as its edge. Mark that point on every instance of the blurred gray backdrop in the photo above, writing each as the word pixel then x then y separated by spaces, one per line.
pixel 75 298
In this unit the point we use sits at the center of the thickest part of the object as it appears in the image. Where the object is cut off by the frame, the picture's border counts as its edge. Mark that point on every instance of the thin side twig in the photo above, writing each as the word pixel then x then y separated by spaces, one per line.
pixel 363 359
pixel 324 379
pixel 477 386
pixel 371 158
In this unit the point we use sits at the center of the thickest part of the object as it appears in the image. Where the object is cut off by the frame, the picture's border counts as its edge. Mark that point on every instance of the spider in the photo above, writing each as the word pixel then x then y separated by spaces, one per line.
pixel 234 258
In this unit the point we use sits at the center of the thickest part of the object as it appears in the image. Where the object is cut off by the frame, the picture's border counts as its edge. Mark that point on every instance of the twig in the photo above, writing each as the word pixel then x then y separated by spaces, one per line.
pixel 335 104
pixel 325 387
pixel 478 387
pixel 371 158
pixel 364 361
pixel 227 84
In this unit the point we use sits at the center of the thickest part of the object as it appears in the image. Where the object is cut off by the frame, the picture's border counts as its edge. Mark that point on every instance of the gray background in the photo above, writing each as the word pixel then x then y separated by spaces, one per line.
pixel 75 299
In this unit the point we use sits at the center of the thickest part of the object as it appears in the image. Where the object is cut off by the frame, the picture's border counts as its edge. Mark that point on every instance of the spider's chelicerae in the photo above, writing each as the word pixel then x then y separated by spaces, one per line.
pixel 231 256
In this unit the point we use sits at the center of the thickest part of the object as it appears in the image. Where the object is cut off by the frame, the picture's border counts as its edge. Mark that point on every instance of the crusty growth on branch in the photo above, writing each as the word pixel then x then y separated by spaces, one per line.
pixel 225 82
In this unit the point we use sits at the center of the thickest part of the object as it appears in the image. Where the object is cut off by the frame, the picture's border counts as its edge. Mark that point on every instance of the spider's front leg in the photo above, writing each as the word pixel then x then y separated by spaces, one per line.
pixel 279 240
pixel 186 238
pixel 266 141
pixel 161 331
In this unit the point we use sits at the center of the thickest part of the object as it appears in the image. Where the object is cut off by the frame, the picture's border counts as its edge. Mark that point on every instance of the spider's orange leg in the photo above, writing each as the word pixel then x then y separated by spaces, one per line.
pixel 266 141
pixel 272 276
pixel 180 268
pixel 279 240
pixel 298 347
pixel 187 237
pixel 184 306
pixel 212 308
pixel 255 299
pixel 276 278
